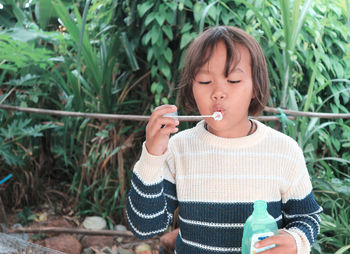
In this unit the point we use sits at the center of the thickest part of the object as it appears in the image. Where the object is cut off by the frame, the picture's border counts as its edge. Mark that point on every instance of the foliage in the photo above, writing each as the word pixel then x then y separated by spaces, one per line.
pixel 125 57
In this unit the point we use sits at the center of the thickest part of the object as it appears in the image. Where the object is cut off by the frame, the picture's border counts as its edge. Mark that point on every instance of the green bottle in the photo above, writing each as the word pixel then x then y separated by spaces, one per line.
pixel 258 226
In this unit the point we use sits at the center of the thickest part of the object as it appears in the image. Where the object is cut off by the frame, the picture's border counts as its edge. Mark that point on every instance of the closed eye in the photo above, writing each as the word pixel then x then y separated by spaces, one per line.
pixel 233 81
pixel 204 82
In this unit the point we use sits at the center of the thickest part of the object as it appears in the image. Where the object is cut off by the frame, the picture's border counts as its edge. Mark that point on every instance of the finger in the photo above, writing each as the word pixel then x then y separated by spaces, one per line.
pixel 275 250
pixel 276 239
pixel 162 110
pixel 157 113
pixel 167 130
pixel 160 123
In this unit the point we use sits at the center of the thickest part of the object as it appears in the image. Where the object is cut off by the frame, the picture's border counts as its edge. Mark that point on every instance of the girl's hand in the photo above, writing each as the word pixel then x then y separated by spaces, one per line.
pixel 285 244
pixel 159 128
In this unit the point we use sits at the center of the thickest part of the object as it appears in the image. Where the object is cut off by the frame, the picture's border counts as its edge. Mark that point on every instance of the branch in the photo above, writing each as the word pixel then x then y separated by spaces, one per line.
pixel 70 230
pixel 146 118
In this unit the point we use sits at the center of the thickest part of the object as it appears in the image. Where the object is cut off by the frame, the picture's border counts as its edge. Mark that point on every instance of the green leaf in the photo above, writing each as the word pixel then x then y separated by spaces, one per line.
pixel 186 39
pixel 204 14
pixel 187 27
pixel 129 52
pixel 166 71
pixel 149 18
pixel 342 249
pixel 167 30
pixel 143 8
pixel 44 11
pixel 155 34
pixel 160 19
pixel 197 10
pixel 168 54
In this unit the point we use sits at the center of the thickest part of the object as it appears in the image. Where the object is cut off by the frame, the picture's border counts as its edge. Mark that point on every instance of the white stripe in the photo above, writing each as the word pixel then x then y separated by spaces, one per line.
pixel 150 232
pixel 218 225
pixel 210 248
pixel 235 154
pixel 146 184
pixel 308 216
pixel 278 218
pixel 302 236
pixel 305 214
pixel 144 194
pixel 145 216
pixel 212 224
pixel 307 225
pixel 170 196
pixel 228 177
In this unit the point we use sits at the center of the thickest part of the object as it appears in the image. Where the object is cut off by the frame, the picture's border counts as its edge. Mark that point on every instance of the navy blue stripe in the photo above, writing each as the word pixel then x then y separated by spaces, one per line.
pixel 169 188
pixel 149 205
pixel 183 248
pixel 147 225
pixel 223 212
pixel 213 236
pixel 301 206
pixel 153 189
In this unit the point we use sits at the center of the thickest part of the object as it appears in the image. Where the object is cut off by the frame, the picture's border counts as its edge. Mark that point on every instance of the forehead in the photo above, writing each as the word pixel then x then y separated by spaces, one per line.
pixel 236 59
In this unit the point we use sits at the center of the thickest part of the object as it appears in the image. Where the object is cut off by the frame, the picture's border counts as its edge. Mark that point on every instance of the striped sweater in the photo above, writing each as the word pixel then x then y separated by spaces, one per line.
pixel 214 181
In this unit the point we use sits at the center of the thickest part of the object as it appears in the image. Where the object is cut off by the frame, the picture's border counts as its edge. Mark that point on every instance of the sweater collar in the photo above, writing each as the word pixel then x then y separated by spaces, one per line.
pixel 240 142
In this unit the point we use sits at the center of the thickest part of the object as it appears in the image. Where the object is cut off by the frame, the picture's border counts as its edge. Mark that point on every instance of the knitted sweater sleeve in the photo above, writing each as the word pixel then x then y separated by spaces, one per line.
pixel 151 200
pixel 300 210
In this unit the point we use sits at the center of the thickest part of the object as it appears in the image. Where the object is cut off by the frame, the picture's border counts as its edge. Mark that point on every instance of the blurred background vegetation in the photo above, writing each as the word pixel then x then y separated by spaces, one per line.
pixel 124 57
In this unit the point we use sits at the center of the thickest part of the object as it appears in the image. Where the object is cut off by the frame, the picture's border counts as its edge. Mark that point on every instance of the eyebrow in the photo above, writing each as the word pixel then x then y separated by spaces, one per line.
pixel 237 69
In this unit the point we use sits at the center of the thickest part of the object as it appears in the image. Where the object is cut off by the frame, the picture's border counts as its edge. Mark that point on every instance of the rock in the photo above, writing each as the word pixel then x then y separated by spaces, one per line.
pixel 60 223
pixel 97 241
pixel 22 236
pixel 65 243
pixel 88 251
pixel 124 251
pixel 120 227
pixel 143 249
pixel 95 223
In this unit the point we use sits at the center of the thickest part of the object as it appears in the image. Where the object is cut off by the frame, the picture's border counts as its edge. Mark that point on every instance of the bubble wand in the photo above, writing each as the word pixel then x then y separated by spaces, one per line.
pixel 217 116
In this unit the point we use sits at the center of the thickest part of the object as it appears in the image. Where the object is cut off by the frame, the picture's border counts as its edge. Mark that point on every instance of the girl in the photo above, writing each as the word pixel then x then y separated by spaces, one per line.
pixel 216 170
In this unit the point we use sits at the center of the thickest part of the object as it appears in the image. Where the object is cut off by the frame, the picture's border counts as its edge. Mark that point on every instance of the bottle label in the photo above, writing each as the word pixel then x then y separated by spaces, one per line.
pixel 258 237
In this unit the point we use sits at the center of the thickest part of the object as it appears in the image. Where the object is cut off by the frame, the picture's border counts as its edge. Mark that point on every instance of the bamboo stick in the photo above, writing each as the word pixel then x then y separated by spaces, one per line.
pixel 146 118
pixel 70 230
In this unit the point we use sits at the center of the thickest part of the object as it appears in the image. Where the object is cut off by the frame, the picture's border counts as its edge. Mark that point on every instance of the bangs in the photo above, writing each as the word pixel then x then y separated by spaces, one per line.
pixel 203 50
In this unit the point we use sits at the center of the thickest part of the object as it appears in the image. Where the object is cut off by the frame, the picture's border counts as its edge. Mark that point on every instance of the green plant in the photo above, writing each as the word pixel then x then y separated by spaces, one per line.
pixel 125 57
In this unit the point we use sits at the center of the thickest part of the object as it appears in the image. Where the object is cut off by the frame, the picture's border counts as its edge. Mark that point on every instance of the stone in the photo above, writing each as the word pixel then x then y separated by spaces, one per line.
pixel 143 249
pixel 120 227
pixel 95 223
pixel 124 251
pixel 65 243
pixel 60 223
pixel 97 241
pixel 88 251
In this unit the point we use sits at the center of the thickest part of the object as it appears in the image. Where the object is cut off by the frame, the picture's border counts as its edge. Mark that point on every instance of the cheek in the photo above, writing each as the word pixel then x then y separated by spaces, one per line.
pixel 199 96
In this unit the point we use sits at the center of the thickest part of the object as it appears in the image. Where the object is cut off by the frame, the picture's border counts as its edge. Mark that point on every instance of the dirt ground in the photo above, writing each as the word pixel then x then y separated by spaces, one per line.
pixel 85 244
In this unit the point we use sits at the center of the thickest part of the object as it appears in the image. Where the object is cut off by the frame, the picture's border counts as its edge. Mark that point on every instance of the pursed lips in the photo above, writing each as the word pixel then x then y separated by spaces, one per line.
pixel 219 109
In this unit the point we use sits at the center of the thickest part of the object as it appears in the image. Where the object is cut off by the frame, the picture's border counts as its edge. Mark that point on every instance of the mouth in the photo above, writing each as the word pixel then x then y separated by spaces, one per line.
pixel 219 109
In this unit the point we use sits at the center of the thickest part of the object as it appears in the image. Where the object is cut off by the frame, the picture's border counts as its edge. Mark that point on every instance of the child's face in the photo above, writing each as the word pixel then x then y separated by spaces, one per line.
pixel 230 95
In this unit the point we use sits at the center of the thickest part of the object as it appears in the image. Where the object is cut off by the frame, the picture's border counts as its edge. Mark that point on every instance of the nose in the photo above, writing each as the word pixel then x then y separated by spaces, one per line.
pixel 218 93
